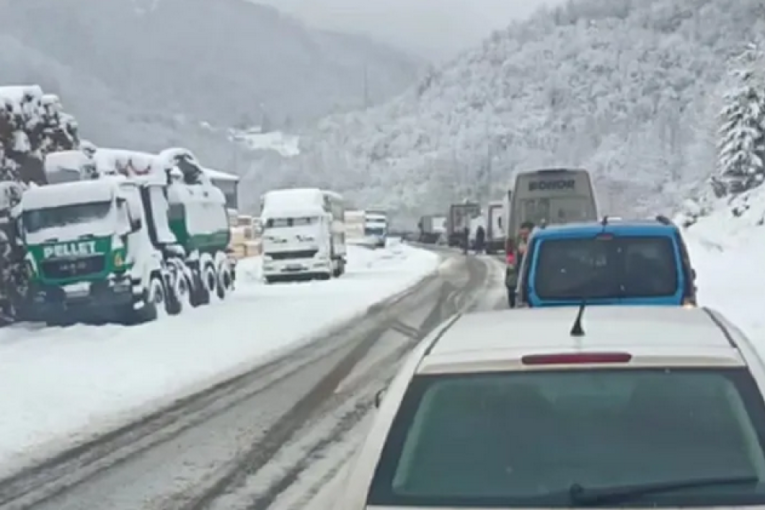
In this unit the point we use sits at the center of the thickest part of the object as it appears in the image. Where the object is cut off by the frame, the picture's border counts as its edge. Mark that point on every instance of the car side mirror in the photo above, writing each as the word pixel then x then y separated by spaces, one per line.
pixel 135 224
pixel 693 274
pixel 379 398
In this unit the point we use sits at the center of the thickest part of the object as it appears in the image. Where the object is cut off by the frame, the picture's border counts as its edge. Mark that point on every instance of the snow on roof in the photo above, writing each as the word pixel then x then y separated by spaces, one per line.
pixel 57 195
pixel 220 176
pixel 66 160
pixel 168 156
pixel 137 165
pixel 297 200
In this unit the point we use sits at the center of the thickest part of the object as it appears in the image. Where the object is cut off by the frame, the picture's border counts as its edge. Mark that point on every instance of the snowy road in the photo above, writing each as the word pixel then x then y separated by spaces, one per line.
pixel 271 438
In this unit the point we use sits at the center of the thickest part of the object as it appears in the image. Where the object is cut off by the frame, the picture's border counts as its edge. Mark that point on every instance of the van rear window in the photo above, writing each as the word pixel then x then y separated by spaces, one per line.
pixel 674 437
pixel 606 267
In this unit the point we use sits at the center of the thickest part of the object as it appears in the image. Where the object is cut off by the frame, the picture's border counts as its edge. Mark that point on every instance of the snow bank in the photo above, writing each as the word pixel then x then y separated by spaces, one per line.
pixel 728 251
pixel 64 384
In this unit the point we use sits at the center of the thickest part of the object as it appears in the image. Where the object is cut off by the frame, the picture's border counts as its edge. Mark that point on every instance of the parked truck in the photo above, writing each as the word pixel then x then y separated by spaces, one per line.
pixel 432 228
pixel 459 218
pixel 376 228
pixel 303 234
pixel 143 234
pixel 495 234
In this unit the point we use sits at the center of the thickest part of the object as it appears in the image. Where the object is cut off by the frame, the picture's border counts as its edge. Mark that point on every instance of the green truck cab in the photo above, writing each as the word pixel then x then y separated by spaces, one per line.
pixel 88 252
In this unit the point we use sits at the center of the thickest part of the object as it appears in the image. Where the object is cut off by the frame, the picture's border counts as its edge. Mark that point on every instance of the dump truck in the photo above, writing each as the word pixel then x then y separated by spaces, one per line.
pixel 142 235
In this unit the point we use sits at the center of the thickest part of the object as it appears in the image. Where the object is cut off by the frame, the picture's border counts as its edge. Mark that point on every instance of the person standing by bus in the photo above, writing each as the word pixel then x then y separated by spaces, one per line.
pixel 515 251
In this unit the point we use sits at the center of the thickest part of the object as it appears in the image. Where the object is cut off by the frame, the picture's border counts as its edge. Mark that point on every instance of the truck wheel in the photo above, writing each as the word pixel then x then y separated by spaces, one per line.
pixel 224 281
pixel 210 278
pixel 178 295
pixel 199 295
pixel 153 303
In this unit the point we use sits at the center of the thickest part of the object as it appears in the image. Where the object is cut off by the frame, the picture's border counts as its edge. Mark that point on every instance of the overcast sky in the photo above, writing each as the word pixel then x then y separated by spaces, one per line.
pixel 436 29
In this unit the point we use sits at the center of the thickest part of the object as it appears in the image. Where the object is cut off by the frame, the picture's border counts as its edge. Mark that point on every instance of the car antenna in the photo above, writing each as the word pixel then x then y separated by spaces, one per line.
pixel 576 329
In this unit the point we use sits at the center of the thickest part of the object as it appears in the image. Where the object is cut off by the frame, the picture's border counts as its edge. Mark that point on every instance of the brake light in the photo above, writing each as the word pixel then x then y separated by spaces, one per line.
pixel 576 358
pixel 510 259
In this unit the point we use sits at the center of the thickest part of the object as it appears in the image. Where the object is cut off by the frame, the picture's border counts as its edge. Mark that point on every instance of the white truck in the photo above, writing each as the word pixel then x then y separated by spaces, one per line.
pixel 495 234
pixel 303 234
pixel 376 228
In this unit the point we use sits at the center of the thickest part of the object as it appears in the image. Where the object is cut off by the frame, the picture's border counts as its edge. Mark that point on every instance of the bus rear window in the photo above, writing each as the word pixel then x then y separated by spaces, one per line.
pixel 524 439
pixel 606 267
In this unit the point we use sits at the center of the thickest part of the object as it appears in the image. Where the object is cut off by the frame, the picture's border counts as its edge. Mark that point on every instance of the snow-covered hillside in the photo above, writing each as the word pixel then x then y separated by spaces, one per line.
pixel 727 247
pixel 625 88
pixel 143 74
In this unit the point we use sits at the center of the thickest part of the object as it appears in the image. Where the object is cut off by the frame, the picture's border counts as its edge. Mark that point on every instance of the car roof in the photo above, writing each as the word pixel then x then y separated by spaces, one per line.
pixel 670 335
pixel 648 227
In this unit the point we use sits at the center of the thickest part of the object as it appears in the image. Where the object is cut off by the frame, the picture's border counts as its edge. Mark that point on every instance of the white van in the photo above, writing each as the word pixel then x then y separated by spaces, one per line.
pixel 303 234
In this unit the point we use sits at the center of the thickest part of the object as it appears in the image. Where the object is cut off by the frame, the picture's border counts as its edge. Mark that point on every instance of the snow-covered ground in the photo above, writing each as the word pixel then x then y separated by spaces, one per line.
pixel 61 385
pixel 728 252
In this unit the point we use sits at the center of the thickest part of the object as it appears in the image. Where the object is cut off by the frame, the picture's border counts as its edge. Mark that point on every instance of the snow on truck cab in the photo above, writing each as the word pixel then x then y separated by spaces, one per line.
pixel 303 234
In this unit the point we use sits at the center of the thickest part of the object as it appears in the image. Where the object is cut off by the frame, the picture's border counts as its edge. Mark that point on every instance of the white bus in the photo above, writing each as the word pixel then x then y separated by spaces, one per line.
pixel 550 196
pixel 303 234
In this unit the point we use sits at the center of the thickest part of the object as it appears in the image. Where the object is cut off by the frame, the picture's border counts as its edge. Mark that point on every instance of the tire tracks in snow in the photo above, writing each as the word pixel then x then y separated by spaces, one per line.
pixel 266 409
pixel 263 489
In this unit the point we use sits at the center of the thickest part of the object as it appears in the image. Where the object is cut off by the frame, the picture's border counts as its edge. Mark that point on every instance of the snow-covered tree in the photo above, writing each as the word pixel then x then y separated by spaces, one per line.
pixel 32 124
pixel 742 133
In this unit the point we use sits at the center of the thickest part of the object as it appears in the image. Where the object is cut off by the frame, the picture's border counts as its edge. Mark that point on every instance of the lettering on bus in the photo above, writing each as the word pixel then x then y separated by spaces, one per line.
pixel 560 184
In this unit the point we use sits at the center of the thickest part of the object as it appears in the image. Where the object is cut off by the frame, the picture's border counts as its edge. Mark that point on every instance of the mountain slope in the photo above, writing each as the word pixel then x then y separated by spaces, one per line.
pixel 219 61
pixel 625 88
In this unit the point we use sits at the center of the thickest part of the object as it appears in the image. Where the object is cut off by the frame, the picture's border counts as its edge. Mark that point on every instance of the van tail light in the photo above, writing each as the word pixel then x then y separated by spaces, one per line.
pixel 510 259
pixel 580 358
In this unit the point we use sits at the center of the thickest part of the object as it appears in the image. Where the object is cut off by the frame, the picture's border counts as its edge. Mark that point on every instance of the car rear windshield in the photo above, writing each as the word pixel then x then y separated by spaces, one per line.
pixel 606 267
pixel 548 438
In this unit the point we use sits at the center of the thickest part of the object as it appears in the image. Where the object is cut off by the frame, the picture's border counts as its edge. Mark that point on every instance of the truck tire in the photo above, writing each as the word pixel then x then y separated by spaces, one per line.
pixel 338 270
pixel 224 281
pixel 198 293
pixel 210 278
pixel 177 295
pixel 154 301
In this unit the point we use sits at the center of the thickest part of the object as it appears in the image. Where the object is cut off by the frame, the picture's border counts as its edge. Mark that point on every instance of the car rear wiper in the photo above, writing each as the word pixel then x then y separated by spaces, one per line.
pixel 582 496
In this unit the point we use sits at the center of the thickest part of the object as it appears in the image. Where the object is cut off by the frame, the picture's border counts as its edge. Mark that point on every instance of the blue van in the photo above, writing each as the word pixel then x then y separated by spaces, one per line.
pixel 611 262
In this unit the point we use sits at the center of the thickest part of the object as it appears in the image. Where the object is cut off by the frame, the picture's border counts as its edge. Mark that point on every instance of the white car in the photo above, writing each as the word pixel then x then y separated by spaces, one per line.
pixel 613 406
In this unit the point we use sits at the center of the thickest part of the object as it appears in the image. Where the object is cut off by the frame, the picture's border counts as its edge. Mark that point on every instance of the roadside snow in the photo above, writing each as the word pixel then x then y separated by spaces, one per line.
pixel 62 385
pixel 727 252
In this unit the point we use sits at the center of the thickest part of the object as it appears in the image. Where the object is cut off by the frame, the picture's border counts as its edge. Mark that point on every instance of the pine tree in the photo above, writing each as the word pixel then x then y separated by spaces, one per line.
pixel 741 149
